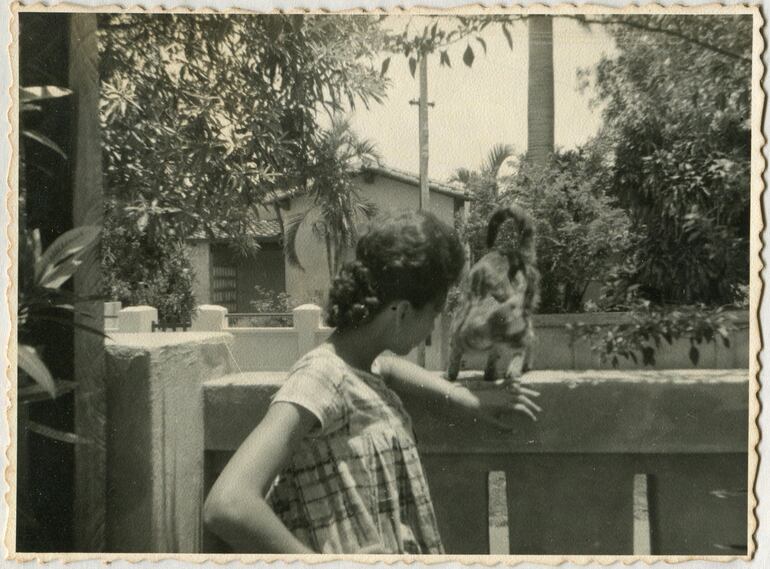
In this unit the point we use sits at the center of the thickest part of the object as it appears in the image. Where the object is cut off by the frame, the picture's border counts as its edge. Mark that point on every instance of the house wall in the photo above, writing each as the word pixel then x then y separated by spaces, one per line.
pixel 311 280
pixel 312 284
pixel 265 269
pixel 199 254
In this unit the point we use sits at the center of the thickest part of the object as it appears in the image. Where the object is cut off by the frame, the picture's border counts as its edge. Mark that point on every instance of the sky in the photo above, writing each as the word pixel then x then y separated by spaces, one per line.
pixel 478 107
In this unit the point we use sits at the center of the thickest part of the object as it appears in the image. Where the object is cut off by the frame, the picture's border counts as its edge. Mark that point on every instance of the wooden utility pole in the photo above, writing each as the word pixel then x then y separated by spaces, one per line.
pixel 422 105
pixel 423 118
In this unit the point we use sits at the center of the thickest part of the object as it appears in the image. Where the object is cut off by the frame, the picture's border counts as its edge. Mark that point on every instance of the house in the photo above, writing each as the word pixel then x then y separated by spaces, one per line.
pixel 228 279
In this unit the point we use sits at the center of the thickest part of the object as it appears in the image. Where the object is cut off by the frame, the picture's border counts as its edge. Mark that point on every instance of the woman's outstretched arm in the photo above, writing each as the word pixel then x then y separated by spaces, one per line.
pixel 496 406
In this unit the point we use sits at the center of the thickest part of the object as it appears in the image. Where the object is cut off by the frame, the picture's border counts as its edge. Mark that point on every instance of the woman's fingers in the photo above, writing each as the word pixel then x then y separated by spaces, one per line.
pixel 521 408
pixel 528 392
pixel 529 403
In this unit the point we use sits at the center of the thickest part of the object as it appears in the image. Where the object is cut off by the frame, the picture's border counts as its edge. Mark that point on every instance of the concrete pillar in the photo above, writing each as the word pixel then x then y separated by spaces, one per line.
pixel 111 314
pixel 137 319
pixel 155 442
pixel 307 321
pixel 209 318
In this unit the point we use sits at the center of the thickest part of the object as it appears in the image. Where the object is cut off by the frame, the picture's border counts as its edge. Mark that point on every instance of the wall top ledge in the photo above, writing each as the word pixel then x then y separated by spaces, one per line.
pixel 540 377
pixel 739 318
pixel 155 340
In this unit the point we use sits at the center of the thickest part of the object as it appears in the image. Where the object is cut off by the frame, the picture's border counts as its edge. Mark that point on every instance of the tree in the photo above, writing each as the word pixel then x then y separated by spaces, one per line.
pixel 581 231
pixel 206 115
pixel 486 178
pixel 540 92
pixel 337 204
pixel 677 116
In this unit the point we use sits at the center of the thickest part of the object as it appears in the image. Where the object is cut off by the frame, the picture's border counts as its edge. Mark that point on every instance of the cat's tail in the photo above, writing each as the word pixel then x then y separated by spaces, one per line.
pixel 524 227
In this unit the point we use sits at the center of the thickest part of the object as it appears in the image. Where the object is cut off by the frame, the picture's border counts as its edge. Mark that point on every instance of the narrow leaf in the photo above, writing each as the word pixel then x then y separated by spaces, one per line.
pixel 468 56
pixel 694 355
pixel 290 246
pixel 508 37
pixel 385 65
pixel 444 59
pixel 64 256
pixel 30 362
pixel 412 65
pixel 34 393
pixel 69 323
pixel 27 94
pixel 55 434
pixel 44 140
pixel 483 43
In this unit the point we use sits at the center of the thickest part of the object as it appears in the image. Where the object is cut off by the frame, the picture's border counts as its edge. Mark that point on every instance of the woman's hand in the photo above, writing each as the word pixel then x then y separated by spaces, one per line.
pixel 499 405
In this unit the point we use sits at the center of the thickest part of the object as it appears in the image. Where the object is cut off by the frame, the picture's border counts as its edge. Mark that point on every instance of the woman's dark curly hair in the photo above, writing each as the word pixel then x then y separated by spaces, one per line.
pixel 404 256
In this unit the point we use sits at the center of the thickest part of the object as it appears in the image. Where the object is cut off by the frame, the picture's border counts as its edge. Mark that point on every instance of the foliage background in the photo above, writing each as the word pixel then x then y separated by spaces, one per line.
pixel 679 132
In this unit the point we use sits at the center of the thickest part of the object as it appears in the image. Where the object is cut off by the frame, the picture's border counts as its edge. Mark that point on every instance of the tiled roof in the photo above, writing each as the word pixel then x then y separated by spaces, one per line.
pixel 392 173
pixel 261 229
pixel 414 180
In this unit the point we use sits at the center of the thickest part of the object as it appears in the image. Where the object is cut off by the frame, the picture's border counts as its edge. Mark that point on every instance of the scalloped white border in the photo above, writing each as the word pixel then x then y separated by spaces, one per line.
pixel 215 6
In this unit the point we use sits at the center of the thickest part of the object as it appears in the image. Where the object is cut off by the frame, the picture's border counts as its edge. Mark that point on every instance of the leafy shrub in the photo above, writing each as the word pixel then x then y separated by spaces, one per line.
pixel 581 233
pixel 270 303
pixel 649 326
pixel 680 137
pixel 146 267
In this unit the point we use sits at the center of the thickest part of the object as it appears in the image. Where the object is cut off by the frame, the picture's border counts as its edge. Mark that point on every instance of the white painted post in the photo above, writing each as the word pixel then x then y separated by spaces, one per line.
pixel 498 513
pixel 641 516
pixel 307 321
pixel 209 318
pixel 111 312
pixel 137 319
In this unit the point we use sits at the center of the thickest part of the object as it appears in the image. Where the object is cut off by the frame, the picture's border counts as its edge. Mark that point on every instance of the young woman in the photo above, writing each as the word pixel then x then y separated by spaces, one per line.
pixel 333 467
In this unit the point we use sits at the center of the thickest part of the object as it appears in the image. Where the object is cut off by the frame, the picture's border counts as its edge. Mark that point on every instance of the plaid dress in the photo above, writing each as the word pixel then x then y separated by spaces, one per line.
pixel 356 480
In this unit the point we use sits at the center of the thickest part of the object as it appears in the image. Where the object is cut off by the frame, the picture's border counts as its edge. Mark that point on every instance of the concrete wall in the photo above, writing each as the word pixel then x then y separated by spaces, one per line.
pixel 265 349
pixel 312 280
pixel 155 435
pixel 568 479
pixel 312 284
pixel 200 259
pixel 178 404
pixel 556 348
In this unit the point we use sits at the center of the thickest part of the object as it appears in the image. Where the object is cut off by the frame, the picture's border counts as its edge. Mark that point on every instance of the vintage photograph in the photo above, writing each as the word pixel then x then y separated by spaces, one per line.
pixel 411 283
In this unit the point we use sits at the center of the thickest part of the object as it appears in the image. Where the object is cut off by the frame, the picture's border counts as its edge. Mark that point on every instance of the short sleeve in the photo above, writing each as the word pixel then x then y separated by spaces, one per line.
pixel 315 384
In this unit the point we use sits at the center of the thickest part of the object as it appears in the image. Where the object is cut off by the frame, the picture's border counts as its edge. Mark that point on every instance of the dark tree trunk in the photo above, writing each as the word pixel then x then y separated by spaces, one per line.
pixel 540 108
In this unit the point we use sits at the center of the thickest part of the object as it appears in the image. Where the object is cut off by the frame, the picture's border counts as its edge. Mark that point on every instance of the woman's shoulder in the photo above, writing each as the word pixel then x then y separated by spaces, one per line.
pixel 320 361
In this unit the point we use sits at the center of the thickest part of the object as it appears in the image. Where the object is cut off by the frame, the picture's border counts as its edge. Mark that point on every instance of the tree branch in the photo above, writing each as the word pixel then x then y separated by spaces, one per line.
pixel 666 31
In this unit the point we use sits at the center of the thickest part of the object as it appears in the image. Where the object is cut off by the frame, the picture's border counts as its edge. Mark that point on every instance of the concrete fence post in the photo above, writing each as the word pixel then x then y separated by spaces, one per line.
pixel 209 318
pixel 111 313
pixel 155 438
pixel 137 319
pixel 307 321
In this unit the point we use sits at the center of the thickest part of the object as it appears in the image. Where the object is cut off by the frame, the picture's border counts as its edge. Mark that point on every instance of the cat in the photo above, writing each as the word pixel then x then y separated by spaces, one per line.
pixel 498 296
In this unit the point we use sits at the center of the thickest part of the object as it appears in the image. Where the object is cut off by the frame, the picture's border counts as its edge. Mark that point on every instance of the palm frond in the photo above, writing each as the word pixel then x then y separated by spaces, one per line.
pixel 461 175
pixel 290 246
pixel 498 155
pixel 367 208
